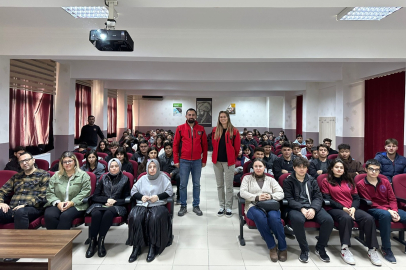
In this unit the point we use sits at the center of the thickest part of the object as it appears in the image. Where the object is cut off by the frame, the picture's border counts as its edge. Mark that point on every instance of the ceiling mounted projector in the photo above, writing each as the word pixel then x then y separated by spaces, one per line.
pixel 109 39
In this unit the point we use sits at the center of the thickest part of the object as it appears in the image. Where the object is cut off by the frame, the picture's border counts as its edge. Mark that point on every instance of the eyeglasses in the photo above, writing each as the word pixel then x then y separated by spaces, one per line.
pixel 67 162
pixel 373 170
pixel 24 161
pixel 143 146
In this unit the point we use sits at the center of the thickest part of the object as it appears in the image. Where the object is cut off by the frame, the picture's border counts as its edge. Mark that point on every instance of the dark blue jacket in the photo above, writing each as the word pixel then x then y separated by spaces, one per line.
pixel 389 168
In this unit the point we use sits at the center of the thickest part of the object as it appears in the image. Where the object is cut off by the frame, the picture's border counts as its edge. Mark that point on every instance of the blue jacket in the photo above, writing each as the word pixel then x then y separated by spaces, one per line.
pixel 390 169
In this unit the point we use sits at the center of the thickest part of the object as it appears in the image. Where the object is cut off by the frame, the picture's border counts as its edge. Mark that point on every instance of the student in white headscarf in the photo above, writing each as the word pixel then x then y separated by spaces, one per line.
pixel 149 221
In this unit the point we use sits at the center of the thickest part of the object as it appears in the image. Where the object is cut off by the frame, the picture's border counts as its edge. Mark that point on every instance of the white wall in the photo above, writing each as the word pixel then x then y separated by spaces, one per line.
pixel 290 111
pixel 276 111
pixel 327 100
pixel 354 110
pixel 5 99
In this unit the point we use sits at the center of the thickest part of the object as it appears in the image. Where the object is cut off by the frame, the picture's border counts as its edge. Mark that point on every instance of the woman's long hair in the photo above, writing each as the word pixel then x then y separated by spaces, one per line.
pixel 122 151
pixel 219 129
pixel 91 152
pixel 345 176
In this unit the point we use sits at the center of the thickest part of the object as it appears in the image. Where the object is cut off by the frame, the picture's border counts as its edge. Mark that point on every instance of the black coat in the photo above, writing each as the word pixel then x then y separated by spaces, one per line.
pixel 291 188
pixel 315 165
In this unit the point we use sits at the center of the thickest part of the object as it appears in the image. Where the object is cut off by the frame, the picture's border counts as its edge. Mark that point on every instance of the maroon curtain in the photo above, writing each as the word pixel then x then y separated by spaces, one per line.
pixel 111 117
pixel 299 114
pixel 83 108
pixel 30 118
pixel 384 112
pixel 130 117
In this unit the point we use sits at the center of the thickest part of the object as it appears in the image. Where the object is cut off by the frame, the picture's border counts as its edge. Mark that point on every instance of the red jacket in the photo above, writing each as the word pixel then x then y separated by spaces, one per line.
pixel 382 195
pixel 186 146
pixel 232 146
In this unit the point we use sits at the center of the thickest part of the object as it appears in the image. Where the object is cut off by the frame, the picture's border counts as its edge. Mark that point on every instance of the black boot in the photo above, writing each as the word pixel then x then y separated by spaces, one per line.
pixel 134 254
pixel 92 247
pixel 151 253
pixel 101 249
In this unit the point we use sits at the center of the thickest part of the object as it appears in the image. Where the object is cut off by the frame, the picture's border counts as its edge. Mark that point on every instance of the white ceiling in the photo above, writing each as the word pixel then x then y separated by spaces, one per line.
pixel 210 47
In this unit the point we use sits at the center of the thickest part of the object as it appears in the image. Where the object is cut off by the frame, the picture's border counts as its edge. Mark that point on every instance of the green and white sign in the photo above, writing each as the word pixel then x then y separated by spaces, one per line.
pixel 177 109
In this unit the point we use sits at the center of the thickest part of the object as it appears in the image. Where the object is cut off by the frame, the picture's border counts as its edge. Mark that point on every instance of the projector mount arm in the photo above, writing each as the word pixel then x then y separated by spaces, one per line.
pixel 111 22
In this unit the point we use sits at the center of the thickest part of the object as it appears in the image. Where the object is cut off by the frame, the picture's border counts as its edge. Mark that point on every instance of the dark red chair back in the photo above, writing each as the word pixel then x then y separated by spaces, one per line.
pixel 282 178
pixel 54 162
pixel 129 155
pixel 142 174
pixel 245 174
pixel 135 167
pixel 51 173
pixel 399 188
pixel 80 157
pixel 93 181
pixel 359 177
pixel 102 155
pixel 278 147
pixel 320 179
pixel 130 178
pixel 308 156
pixel 245 168
pixel 105 164
pixel 271 175
pixel 332 156
pixel 364 165
pixel 302 146
pixel 42 164
pixel 5 176
pixel 252 148
pixel 278 151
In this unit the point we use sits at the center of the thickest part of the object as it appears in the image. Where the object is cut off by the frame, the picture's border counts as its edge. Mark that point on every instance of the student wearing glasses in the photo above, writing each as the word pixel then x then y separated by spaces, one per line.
pixel 67 188
pixel 141 152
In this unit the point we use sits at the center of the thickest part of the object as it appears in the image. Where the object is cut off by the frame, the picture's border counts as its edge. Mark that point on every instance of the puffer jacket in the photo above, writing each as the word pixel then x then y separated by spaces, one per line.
pixel 389 168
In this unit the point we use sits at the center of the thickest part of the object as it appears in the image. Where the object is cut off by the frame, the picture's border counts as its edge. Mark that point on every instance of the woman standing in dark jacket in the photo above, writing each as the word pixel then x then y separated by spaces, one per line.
pixel 340 189
pixel 108 202
pixel 226 146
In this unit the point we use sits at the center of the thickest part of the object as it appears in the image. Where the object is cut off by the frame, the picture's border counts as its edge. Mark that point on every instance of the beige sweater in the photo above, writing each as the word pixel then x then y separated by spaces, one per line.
pixel 249 189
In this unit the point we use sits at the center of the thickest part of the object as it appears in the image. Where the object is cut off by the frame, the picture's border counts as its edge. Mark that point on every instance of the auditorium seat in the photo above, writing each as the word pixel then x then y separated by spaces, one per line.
pixel 102 155
pixel 42 164
pixel 308 156
pixel 80 157
pixel 332 156
pixel 135 167
pixel 399 188
pixel 129 155
pixel 54 162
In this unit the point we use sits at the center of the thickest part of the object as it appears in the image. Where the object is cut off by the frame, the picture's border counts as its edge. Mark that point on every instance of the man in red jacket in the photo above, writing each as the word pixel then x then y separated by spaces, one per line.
pixel 190 155
pixel 384 204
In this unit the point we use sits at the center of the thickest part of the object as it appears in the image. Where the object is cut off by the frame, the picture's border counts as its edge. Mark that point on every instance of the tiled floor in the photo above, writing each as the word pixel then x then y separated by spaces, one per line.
pixel 210 242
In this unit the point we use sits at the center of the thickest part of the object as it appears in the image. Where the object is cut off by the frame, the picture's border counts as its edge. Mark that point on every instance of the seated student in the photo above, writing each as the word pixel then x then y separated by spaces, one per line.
pixel 93 165
pixel 354 167
pixel 305 203
pixel 25 205
pixel 141 152
pixel 108 202
pixel 249 140
pixel 82 148
pixel 271 138
pixel 127 146
pixel 308 149
pixel 384 205
pixel 149 222
pixel 152 153
pixel 281 136
pixel 113 148
pixel 327 142
pixel 124 137
pixel 284 164
pixel 239 166
pixel 122 156
pixel 13 164
pixel 170 138
pixel 259 153
pixel 166 165
pixel 391 162
pixel 159 143
pixel 247 151
pixel 296 150
pixel 340 189
pixel 315 154
pixel 259 187
pixel 264 139
pixel 319 166
pixel 269 157
pixel 152 139
pixel 103 148
pixel 67 188
pixel 299 140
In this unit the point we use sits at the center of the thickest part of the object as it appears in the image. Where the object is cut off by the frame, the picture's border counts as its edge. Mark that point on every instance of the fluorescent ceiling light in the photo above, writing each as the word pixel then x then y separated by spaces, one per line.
pixel 87 12
pixel 365 13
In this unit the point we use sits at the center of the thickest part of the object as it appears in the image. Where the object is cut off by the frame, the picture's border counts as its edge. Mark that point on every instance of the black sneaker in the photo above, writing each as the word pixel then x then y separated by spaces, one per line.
pixel 182 211
pixel 197 210
pixel 221 212
pixel 321 252
pixel 304 256
pixel 229 213
pixel 388 255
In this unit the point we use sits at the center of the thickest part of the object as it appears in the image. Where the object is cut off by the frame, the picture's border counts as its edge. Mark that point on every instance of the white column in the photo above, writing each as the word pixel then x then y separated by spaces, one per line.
pixel 4 109
pixel 121 112
pixel 64 124
pixel 99 105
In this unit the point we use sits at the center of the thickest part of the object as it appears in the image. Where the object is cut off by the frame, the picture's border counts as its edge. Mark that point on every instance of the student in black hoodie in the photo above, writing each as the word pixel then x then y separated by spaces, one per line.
pixel 319 166
pixel 269 157
pixel 13 164
pixel 305 202
pixel 167 165
pixel 284 164
pixel 249 140
pixel 327 142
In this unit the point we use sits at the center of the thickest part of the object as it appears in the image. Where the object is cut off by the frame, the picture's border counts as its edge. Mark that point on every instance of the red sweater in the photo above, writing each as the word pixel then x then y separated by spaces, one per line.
pixel 382 195
pixel 232 146
pixel 188 144
pixel 339 193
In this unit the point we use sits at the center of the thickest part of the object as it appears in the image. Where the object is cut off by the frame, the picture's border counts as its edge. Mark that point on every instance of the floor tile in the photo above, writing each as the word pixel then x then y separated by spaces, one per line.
pixel 191 257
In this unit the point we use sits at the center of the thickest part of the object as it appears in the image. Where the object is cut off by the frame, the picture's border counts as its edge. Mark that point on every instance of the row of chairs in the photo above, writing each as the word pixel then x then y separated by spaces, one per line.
pixel 117 221
pixel 399 187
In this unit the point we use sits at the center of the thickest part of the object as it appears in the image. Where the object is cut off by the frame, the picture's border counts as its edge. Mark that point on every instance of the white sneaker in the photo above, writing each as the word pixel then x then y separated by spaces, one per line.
pixel 229 213
pixel 221 212
pixel 373 256
pixel 347 256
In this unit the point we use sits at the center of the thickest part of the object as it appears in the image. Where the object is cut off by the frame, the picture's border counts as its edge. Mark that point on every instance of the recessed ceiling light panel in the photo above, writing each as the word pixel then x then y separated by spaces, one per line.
pixel 88 12
pixel 366 13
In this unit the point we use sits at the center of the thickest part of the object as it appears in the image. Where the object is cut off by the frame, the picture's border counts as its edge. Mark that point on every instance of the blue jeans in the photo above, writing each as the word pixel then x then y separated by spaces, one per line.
pixel 267 223
pixel 185 168
pixel 385 219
